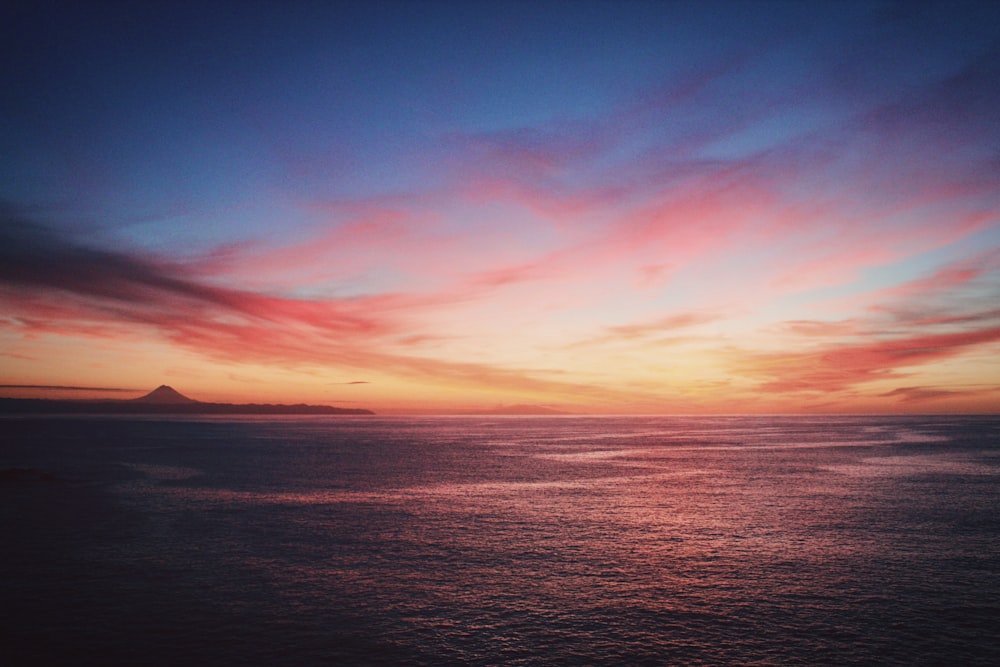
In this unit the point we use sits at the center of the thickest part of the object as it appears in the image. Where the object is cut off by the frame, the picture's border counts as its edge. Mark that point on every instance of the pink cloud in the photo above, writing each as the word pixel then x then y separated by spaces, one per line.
pixel 837 367
pixel 947 279
pixel 819 329
pixel 923 394
pixel 662 325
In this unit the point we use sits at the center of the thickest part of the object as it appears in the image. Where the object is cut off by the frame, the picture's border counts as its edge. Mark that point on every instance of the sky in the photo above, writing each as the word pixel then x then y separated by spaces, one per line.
pixel 412 207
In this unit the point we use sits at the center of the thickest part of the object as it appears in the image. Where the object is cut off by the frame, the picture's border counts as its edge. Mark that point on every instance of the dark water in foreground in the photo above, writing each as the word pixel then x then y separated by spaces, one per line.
pixel 519 541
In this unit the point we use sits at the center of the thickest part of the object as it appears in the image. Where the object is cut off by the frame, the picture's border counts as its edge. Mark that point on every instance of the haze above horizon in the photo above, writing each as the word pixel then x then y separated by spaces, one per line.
pixel 720 207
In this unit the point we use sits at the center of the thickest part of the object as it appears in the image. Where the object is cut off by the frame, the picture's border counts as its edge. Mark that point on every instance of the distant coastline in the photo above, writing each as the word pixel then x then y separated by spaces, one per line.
pixel 164 401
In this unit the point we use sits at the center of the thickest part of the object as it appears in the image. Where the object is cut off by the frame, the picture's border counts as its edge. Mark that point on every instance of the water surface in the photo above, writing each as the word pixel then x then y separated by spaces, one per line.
pixel 483 541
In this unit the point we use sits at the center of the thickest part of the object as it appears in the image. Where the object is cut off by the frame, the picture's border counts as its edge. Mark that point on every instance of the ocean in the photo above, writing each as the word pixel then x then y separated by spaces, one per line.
pixel 500 541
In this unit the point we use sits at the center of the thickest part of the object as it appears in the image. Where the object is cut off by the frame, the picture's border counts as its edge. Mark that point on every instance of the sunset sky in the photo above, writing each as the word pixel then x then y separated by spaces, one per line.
pixel 668 207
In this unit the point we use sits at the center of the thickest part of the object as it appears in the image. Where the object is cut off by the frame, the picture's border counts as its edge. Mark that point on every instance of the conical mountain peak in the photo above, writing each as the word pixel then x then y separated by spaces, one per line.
pixel 165 395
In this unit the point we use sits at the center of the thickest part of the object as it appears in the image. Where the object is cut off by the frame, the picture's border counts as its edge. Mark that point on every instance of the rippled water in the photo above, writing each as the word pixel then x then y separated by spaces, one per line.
pixel 519 541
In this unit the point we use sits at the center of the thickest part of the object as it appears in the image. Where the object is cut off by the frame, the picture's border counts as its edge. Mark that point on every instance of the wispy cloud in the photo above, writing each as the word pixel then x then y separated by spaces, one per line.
pixel 923 394
pixel 665 324
pixel 55 387
pixel 836 367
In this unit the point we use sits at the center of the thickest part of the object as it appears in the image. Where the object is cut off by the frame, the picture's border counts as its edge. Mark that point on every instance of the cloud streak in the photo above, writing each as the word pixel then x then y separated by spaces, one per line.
pixel 47 387
pixel 833 368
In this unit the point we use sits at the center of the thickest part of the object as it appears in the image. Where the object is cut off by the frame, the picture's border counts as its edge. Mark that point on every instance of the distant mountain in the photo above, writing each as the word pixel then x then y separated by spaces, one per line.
pixel 165 400
pixel 164 395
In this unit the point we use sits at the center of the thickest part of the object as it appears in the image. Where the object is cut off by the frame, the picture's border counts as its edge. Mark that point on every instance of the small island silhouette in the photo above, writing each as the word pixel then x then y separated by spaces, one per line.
pixel 164 400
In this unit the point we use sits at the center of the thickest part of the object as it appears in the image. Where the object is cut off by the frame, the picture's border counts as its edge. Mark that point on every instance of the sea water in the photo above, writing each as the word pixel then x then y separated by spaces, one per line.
pixel 500 541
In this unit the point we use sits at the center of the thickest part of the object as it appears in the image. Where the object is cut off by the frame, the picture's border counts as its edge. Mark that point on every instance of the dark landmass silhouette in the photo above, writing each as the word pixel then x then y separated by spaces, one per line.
pixel 164 395
pixel 164 400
